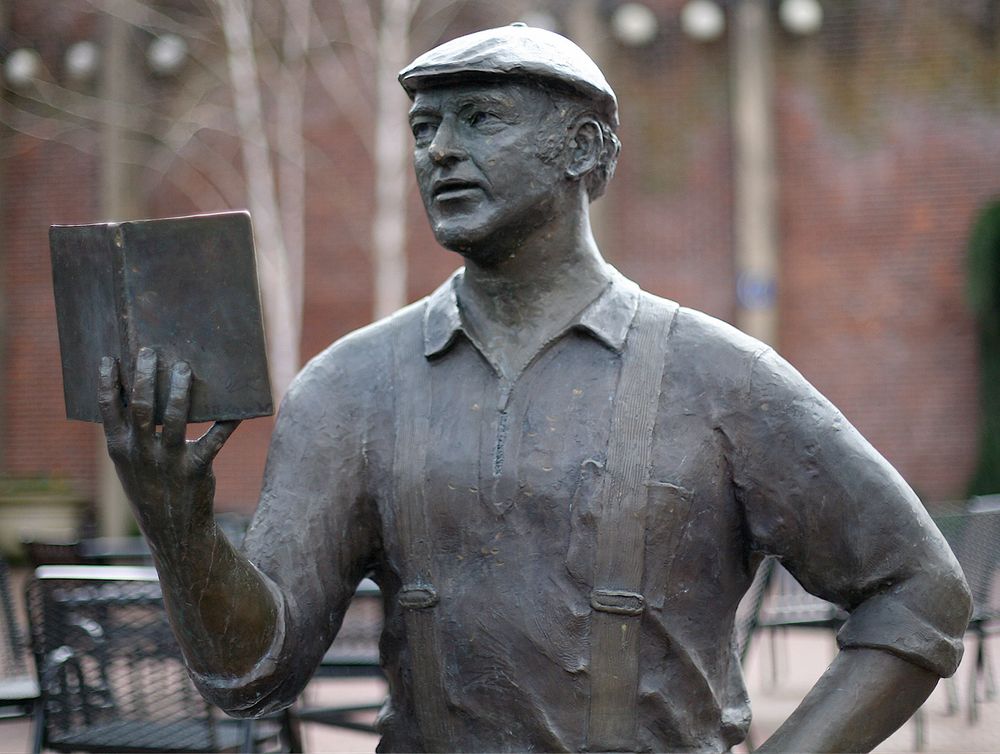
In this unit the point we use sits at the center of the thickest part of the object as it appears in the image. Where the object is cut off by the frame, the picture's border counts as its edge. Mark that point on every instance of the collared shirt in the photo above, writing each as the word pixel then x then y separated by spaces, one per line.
pixel 748 460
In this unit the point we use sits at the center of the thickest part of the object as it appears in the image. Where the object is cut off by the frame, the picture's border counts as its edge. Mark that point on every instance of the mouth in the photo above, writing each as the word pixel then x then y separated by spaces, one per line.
pixel 452 189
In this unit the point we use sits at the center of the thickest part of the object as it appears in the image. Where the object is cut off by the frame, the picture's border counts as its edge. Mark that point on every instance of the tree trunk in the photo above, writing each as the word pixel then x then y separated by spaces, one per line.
pixel 391 160
pixel 290 137
pixel 282 327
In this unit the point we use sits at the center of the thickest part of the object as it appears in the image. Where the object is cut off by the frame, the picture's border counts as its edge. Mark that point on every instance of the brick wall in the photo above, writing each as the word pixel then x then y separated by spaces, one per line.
pixel 888 145
pixel 43 184
pixel 881 168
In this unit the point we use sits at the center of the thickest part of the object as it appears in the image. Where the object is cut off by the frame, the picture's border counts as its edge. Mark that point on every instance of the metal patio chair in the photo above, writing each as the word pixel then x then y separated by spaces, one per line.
pixel 974 536
pixel 111 674
pixel 353 654
pixel 18 687
pixel 748 613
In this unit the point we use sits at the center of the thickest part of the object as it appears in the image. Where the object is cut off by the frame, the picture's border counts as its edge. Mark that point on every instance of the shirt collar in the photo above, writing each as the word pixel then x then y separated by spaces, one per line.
pixel 607 318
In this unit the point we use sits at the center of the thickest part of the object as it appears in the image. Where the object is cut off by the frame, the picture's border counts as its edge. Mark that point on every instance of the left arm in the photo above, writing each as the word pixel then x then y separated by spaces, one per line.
pixel 863 697
pixel 816 494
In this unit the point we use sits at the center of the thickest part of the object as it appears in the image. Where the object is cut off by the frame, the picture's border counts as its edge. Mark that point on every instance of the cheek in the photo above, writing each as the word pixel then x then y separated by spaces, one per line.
pixel 423 171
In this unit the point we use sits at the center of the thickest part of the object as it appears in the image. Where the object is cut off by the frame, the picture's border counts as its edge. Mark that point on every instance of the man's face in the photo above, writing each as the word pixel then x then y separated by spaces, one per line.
pixel 476 156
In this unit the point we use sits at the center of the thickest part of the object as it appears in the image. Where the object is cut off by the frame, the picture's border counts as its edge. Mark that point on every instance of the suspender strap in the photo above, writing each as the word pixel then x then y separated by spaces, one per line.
pixel 418 595
pixel 617 600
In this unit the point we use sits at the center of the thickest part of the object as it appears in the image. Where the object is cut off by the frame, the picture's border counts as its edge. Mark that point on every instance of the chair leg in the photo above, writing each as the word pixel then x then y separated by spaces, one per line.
pixel 774 656
pixel 977 671
pixel 951 695
pixel 38 722
pixel 919 730
pixel 291 732
pixel 991 685
pixel 248 742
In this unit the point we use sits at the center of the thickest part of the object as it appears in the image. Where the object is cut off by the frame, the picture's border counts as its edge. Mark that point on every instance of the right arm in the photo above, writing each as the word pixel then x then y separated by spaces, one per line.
pixel 207 586
pixel 251 635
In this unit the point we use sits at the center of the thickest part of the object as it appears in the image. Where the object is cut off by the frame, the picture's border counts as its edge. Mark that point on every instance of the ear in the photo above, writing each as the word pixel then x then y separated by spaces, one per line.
pixel 586 143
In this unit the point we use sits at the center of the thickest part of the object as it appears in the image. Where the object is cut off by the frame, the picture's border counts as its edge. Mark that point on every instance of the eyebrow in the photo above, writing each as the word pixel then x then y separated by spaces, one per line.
pixel 486 98
pixel 422 110
pixel 475 99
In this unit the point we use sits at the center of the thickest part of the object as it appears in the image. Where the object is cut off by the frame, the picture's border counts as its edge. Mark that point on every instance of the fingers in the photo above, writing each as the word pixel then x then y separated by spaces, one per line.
pixel 109 399
pixel 212 441
pixel 175 413
pixel 140 416
pixel 143 400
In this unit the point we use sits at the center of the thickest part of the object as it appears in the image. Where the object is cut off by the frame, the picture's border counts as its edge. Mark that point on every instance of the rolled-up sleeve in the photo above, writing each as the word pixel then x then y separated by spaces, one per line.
pixel 314 535
pixel 818 496
pixel 251 693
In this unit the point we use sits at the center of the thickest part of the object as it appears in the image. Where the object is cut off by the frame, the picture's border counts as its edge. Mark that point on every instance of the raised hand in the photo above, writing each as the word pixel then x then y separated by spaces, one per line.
pixel 168 479
pixel 222 612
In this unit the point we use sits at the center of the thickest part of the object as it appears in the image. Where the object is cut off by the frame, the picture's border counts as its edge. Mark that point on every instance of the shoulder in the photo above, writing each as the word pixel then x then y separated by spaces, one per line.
pixel 702 336
pixel 705 351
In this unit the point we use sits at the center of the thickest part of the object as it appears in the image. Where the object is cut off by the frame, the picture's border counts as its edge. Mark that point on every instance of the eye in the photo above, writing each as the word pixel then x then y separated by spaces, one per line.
pixel 423 131
pixel 481 118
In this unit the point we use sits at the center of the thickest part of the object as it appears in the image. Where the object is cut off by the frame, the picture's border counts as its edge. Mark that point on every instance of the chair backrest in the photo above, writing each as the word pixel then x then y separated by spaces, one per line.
pixel 787 603
pixel 18 688
pixel 748 612
pixel 44 552
pixel 974 536
pixel 13 649
pixel 111 673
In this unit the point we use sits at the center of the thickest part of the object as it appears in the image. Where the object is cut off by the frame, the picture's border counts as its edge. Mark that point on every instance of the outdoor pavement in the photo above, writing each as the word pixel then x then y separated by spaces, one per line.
pixel 775 689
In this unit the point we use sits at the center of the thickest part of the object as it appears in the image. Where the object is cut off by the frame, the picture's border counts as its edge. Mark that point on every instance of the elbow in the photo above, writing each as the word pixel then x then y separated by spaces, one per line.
pixel 962 597
pixel 948 592
pixel 250 700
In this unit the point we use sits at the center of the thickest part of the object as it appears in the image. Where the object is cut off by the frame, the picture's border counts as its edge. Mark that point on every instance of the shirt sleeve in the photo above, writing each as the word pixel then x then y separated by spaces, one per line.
pixel 818 496
pixel 314 536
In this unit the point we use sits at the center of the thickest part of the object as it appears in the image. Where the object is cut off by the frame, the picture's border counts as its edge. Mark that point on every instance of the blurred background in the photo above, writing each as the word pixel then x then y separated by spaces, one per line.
pixel 824 174
pixel 810 171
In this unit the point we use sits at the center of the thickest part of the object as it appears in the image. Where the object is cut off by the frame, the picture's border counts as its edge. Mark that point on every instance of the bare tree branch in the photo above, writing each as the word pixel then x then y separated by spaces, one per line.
pixel 360 27
pixel 282 329
pixel 439 16
pixel 340 86
pixel 142 15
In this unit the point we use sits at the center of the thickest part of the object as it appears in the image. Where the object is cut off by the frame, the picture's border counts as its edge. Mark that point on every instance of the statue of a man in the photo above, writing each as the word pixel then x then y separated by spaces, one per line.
pixel 563 485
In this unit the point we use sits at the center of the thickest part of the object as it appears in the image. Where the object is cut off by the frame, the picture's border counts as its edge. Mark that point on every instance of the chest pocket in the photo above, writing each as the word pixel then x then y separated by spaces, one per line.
pixel 668 515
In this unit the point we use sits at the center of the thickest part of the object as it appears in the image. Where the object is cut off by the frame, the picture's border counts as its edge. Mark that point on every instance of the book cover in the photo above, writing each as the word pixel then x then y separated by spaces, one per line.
pixel 183 286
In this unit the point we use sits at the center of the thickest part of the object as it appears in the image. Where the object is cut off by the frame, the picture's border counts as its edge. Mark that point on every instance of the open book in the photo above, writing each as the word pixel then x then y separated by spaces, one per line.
pixel 184 286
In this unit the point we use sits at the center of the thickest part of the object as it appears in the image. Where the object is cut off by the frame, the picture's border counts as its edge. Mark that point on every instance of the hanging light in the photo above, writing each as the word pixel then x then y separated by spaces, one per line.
pixel 703 20
pixel 634 24
pixel 801 16
pixel 166 54
pixel 22 67
pixel 82 60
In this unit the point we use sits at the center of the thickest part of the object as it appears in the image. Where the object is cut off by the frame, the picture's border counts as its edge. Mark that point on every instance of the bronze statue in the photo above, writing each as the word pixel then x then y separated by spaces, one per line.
pixel 563 485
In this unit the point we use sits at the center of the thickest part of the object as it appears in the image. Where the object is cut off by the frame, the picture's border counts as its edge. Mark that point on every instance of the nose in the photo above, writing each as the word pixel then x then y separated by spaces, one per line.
pixel 445 147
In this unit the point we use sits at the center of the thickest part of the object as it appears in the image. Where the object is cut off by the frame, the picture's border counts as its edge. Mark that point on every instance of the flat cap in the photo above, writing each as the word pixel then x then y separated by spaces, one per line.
pixel 515 50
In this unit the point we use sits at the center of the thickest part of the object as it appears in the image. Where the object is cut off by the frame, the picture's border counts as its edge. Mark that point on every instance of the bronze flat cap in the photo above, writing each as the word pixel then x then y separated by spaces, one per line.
pixel 515 50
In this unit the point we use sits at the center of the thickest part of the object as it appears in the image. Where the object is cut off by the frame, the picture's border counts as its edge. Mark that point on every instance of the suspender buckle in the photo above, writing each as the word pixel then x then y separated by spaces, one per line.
pixel 418 597
pixel 617 601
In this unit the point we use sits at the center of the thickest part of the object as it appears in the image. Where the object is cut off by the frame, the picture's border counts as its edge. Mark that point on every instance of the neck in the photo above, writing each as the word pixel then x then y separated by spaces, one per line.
pixel 549 277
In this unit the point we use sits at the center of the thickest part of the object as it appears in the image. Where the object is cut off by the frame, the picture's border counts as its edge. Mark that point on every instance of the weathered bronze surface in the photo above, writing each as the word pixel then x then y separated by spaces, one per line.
pixel 185 286
pixel 562 484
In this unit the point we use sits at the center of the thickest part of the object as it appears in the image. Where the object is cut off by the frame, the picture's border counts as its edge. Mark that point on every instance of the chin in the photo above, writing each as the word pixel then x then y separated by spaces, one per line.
pixel 469 242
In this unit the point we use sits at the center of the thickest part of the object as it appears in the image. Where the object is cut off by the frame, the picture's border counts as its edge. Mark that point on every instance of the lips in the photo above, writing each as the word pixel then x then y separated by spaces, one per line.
pixel 448 189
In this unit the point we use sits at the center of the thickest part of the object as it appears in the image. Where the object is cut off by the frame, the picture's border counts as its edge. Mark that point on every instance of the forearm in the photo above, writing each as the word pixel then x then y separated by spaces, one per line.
pixel 219 606
pixel 221 610
pixel 863 697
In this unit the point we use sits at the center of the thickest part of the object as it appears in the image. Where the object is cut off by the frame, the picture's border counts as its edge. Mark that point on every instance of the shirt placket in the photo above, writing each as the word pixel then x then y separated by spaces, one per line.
pixel 500 440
